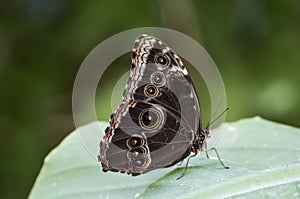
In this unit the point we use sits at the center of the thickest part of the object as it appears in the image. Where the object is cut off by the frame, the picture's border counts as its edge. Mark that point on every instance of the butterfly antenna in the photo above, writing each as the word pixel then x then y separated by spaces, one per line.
pixel 210 122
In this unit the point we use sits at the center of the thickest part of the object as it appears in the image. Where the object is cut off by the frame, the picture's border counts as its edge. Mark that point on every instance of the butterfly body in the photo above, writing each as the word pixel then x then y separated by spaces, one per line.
pixel 158 123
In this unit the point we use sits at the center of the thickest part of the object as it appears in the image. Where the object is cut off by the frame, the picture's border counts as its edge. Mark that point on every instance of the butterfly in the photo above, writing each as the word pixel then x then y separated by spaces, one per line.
pixel 158 122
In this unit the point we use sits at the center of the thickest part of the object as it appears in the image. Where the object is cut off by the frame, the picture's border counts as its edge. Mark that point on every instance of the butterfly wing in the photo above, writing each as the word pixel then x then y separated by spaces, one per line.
pixel 157 120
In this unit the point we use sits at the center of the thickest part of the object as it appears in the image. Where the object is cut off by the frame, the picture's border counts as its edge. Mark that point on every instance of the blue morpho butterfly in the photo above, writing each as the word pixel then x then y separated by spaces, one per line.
pixel 158 123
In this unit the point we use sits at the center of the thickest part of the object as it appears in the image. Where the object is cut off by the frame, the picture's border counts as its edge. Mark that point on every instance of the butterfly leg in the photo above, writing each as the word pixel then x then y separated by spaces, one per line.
pixel 218 156
pixel 186 166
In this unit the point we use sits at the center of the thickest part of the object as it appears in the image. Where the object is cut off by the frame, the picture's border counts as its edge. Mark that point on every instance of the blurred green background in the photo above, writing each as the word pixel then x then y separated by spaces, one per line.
pixel 255 44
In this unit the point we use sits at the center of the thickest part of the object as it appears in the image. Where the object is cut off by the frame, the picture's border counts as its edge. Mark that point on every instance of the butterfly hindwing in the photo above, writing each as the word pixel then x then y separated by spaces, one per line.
pixel 156 122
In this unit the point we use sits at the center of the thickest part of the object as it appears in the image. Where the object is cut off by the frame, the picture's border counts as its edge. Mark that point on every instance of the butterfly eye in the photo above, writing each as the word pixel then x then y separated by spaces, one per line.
pixel 151 90
pixel 134 142
pixel 149 118
pixel 162 60
pixel 158 79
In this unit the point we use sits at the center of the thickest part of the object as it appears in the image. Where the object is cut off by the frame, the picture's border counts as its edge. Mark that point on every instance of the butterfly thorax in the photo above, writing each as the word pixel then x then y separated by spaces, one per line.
pixel 199 142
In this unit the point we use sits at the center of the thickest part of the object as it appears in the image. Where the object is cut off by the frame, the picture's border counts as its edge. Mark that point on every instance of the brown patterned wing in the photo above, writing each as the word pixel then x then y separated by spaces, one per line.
pixel 156 123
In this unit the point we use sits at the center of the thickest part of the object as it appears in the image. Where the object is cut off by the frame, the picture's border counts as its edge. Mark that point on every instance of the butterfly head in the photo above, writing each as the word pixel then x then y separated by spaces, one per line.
pixel 205 133
pixel 200 141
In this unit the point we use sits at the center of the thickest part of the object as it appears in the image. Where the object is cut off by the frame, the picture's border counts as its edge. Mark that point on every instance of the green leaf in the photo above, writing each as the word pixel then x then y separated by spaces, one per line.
pixel 264 160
